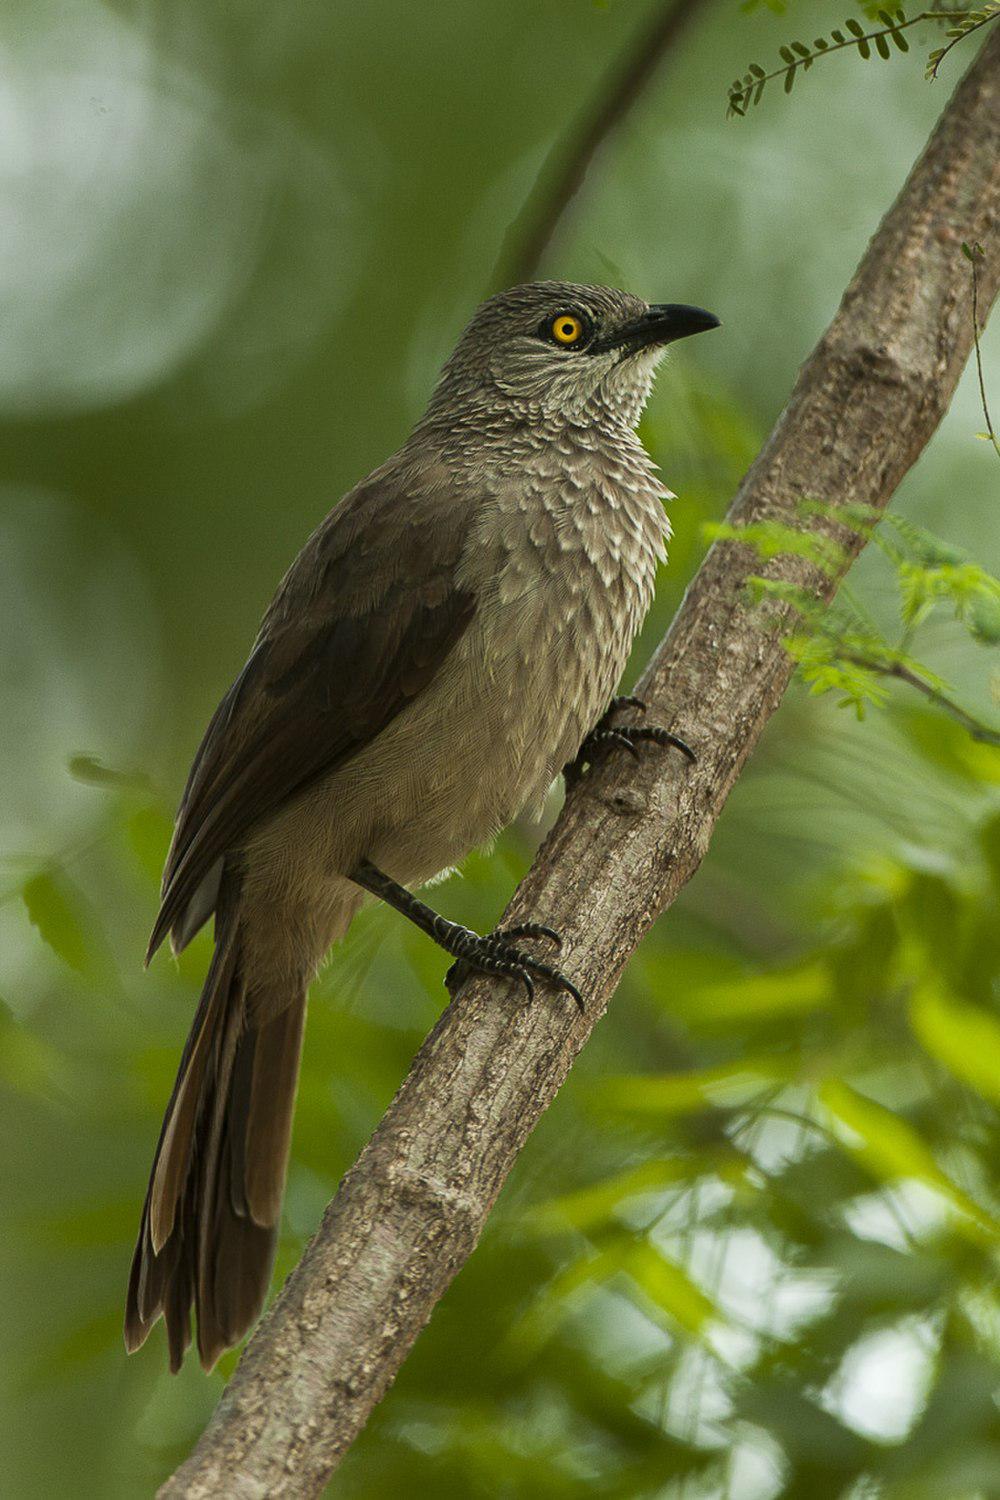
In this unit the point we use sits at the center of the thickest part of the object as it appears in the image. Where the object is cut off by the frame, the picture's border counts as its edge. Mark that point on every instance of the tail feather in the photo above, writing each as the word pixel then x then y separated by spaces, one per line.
pixel 210 1219
pixel 221 999
pixel 269 1118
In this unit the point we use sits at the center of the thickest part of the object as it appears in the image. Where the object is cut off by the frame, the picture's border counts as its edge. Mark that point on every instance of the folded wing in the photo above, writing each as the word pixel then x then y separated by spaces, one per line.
pixel 362 622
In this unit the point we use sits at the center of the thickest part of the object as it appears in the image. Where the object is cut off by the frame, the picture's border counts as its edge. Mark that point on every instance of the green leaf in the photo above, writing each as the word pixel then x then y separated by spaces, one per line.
pixel 983 618
pixel 951 748
pixel 544 1315
pixel 752 997
pixel 925 546
pixel 964 1038
pixel 670 1289
pixel 56 910
pixel 989 840
pixel 28 1064
pixel 594 1206
pixel 725 1086
pixel 776 539
pixel 148 832
pixel 888 1146
pixel 92 772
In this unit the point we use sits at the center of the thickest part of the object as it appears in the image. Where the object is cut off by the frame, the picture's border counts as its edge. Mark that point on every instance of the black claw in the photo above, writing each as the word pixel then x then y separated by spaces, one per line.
pixel 530 930
pixel 606 736
pixel 664 737
pixel 658 736
pixel 495 954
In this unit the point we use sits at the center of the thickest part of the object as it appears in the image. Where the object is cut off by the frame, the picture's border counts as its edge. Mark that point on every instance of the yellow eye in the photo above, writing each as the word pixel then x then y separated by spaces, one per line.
pixel 567 329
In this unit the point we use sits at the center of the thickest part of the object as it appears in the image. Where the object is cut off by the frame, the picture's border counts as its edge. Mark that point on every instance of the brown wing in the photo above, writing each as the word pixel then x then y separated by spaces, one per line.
pixel 361 623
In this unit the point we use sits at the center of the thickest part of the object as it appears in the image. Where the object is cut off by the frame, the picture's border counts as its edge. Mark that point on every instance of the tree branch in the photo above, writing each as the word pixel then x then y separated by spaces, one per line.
pixel 977 730
pixel 563 172
pixel 409 1212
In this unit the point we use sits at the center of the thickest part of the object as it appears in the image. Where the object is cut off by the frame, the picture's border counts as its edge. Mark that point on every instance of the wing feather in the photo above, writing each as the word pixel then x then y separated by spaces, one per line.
pixel 362 622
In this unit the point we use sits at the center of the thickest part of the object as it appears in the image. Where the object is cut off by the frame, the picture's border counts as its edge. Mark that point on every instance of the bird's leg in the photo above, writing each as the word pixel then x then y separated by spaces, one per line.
pixel 495 954
pixel 606 736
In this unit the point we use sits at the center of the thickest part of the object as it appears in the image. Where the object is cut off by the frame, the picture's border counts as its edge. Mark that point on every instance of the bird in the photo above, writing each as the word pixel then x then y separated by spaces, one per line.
pixel 448 640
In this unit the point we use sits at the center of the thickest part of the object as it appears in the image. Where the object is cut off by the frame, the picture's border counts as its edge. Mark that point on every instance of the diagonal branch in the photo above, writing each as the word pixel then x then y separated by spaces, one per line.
pixel 409 1212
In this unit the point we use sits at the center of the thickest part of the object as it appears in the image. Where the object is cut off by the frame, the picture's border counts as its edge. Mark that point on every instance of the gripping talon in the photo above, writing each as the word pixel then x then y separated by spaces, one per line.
pixel 606 736
pixel 495 954
pixel 665 738
pixel 529 930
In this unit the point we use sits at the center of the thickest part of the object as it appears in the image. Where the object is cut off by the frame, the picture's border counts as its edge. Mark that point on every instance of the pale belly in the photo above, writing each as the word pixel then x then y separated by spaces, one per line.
pixel 508 709
pixel 558 609
pixel 485 743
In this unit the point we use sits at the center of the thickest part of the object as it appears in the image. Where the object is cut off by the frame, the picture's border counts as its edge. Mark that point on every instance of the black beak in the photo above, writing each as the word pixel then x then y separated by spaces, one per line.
pixel 662 324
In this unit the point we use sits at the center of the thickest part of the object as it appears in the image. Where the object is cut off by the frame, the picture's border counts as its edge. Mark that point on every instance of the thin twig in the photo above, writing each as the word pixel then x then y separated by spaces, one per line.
pixel 973 253
pixel 563 172
pixel 966 27
pixel 748 90
pixel 977 729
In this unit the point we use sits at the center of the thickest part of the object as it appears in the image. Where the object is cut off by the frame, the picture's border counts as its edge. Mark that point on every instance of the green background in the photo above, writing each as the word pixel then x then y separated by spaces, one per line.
pixel 239 240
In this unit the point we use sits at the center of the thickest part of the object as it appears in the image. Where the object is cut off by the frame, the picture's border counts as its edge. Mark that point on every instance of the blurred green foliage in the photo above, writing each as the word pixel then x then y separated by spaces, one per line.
pixel 751 1250
pixel 839 648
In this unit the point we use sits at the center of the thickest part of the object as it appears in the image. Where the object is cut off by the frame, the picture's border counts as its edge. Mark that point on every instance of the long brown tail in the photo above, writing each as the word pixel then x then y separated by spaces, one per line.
pixel 210 1220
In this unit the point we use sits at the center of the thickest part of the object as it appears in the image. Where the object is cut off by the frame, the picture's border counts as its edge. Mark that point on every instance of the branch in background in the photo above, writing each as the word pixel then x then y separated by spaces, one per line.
pixel 409 1213
pixel 563 173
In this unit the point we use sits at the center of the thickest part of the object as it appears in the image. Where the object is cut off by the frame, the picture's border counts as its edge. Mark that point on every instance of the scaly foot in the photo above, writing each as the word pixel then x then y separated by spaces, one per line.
pixel 497 954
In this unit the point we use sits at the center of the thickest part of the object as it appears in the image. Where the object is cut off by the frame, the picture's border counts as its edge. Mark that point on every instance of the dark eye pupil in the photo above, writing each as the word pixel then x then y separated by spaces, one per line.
pixel 564 328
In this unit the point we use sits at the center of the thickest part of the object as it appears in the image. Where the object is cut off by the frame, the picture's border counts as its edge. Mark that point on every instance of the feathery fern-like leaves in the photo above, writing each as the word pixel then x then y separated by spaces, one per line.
pixel 797 56
pixel 970 22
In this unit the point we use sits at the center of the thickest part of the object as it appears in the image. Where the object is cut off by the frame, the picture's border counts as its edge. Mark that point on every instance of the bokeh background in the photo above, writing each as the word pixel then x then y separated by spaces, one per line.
pixel 751 1250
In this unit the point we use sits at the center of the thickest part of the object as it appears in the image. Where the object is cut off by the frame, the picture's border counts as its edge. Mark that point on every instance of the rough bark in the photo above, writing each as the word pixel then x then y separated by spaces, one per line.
pixel 409 1212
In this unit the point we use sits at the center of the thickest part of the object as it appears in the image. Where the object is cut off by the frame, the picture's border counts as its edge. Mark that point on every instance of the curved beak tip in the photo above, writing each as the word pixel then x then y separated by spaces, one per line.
pixel 679 321
pixel 661 323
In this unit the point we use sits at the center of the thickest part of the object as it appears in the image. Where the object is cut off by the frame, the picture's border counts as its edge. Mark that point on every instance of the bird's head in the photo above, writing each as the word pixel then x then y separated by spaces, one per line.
pixel 554 349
